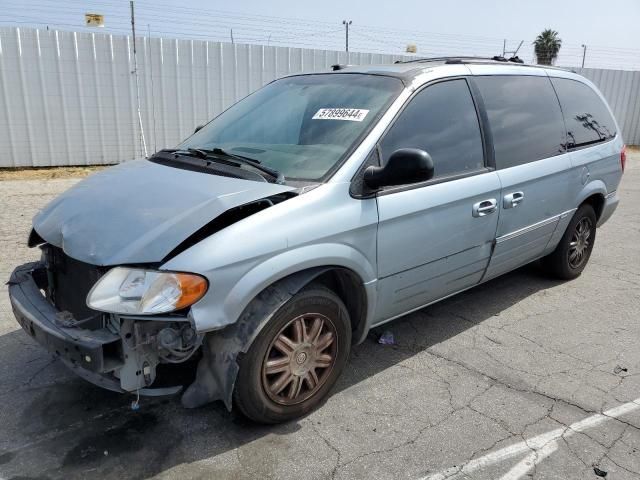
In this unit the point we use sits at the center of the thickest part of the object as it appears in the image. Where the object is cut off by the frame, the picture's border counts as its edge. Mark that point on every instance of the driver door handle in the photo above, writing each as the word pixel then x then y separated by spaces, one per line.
pixel 485 207
pixel 512 200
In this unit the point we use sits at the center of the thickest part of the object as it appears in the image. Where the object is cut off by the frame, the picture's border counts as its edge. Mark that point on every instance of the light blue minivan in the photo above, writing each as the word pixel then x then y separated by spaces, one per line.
pixel 255 253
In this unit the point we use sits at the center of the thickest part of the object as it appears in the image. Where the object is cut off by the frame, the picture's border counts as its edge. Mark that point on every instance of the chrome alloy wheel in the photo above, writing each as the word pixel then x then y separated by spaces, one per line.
pixel 299 359
pixel 580 241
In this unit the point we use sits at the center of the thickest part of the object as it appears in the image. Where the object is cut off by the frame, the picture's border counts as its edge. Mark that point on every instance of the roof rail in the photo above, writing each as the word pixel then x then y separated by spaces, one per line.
pixel 464 59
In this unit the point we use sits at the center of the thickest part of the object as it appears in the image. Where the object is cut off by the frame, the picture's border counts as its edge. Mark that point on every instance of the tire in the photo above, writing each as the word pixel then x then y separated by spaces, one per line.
pixel 566 262
pixel 295 343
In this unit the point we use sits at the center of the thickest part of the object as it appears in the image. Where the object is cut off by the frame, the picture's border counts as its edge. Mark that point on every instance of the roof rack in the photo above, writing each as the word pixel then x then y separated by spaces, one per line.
pixel 465 59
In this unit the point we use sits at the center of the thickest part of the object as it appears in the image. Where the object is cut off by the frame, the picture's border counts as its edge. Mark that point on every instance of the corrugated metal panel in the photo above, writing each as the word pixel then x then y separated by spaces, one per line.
pixel 69 98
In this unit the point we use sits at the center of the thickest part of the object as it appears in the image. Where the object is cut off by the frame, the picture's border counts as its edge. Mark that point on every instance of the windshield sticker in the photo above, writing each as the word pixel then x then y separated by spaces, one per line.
pixel 352 114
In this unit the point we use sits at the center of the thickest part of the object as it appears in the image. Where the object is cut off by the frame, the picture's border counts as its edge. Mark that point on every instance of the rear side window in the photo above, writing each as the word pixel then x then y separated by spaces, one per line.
pixel 442 120
pixel 524 116
pixel 587 118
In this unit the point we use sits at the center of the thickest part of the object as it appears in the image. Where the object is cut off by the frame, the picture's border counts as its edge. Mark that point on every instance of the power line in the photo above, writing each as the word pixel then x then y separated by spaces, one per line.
pixel 564 58
pixel 267 20
pixel 215 24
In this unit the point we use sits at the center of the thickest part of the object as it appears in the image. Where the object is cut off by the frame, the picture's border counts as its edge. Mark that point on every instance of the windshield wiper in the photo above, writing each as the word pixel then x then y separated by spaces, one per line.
pixel 279 177
pixel 227 158
pixel 197 152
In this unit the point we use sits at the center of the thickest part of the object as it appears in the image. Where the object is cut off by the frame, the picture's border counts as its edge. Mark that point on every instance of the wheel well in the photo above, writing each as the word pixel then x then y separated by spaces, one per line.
pixel 597 202
pixel 349 287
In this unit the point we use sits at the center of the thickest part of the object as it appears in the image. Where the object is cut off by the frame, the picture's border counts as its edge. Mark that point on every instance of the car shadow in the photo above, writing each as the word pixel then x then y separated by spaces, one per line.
pixel 68 427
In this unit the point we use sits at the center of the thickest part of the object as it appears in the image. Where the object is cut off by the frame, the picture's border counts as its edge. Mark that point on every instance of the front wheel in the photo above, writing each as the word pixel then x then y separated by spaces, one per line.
pixel 571 255
pixel 295 359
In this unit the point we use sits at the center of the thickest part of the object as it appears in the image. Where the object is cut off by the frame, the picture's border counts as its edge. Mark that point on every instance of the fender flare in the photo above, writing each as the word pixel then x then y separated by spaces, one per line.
pixel 218 368
pixel 595 187
pixel 293 262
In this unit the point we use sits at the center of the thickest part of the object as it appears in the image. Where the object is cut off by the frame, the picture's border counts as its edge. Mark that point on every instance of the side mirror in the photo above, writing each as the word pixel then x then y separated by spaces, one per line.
pixel 405 166
pixel 198 128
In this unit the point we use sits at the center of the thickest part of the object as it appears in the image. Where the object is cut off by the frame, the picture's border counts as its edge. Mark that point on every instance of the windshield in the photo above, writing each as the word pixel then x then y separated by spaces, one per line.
pixel 300 126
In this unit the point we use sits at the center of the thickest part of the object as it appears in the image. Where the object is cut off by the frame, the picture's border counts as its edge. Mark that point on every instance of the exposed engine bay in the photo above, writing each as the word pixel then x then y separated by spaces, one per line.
pixel 148 344
pixel 125 354
pixel 133 347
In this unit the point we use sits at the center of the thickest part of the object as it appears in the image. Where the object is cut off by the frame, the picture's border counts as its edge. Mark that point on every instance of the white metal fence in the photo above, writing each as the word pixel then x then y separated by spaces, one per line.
pixel 69 98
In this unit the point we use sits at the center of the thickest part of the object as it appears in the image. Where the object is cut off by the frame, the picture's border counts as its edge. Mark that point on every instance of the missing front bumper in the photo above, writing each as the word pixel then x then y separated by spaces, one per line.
pixel 98 351
pixel 97 356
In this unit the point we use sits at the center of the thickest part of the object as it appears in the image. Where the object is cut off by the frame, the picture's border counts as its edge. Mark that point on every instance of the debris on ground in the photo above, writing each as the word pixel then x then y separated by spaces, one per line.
pixel 386 338
pixel 87 452
pixel 619 369
pixel 600 473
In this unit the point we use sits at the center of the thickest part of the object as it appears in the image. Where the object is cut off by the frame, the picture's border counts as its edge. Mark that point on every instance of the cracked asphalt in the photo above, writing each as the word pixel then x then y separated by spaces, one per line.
pixel 468 379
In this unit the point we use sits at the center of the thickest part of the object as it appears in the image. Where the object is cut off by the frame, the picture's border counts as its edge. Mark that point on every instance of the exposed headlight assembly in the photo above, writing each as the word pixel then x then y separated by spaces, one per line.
pixel 137 291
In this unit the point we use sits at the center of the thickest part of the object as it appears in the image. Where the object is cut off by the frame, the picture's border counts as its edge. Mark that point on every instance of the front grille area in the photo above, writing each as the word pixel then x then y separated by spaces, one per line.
pixel 69 282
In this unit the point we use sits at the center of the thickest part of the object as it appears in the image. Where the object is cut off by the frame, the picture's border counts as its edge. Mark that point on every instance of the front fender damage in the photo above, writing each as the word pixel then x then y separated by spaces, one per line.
pixel 218 368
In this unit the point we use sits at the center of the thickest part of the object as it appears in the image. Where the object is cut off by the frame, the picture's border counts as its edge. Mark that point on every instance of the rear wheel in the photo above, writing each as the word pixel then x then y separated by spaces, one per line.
pixel 571 255
pixel 295 359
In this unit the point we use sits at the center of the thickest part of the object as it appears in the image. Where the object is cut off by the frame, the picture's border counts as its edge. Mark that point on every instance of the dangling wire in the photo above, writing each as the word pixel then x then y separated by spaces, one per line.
pixel 135 405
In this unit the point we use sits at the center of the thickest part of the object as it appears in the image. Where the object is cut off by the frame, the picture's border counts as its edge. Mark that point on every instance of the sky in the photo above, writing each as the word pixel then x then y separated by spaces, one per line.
pixel 454 27
pixel 613 23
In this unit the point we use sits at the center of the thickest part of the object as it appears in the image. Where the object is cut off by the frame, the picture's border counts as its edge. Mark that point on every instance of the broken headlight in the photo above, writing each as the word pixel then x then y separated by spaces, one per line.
pixel 145 292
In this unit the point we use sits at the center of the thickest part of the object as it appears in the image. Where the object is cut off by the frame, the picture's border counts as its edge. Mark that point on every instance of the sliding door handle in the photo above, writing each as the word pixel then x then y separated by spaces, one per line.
pixel 512 200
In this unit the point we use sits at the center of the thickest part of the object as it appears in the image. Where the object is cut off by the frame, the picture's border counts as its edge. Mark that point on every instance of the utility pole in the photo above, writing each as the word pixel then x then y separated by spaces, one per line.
pixel 584 53
pixel 232 36
pixel 135 74
pixel 504 47
pixel 346 26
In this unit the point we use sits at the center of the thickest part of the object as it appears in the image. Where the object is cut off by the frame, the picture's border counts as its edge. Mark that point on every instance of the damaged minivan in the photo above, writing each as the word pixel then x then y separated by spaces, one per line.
pixel 251 257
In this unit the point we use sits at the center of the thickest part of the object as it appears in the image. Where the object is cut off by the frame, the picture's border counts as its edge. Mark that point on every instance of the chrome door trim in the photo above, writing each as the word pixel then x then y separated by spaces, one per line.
pixel 534 226
pixel 567 213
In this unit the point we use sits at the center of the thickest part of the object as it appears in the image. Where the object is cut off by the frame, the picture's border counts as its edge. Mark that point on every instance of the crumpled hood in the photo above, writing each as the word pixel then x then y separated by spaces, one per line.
pixel 139 211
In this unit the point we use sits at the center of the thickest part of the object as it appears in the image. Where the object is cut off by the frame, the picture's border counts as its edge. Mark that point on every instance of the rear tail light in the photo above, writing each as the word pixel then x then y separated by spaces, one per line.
pixel 623 157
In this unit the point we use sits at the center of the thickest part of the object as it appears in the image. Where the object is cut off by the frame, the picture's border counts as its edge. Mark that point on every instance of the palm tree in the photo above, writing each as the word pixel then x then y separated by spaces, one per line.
pixel 547 45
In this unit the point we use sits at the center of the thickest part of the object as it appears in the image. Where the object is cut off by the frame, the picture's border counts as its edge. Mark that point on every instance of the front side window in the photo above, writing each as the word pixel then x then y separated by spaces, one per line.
pixel 300 126
pixel 442 120
pixel 524 116
pixel 587 118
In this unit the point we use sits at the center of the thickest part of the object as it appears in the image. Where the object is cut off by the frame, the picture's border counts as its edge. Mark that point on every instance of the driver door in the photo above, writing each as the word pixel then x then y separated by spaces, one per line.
pixel 435 238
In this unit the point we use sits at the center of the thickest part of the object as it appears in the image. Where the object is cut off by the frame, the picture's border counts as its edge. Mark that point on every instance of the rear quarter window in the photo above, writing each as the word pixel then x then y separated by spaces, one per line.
pixel 586 116
pixel 524 116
